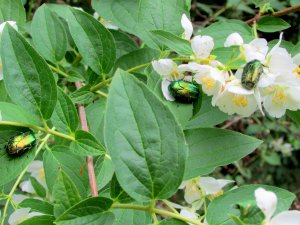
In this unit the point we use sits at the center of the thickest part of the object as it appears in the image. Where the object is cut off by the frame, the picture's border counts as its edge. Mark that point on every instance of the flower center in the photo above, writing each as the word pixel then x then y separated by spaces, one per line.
pixel 279 97
pixel 297 71
pixel 240 101
pixel 41 174
pixel 209 82
pixel 175 74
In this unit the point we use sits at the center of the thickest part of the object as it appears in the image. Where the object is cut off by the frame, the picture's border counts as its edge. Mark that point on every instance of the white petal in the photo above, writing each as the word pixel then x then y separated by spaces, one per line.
pixel 18 198
pixel 277 44
pixel 108 24
pixel 192 192
pixel 189 213
pixel 187 26
pixel 234 39
pixel 210 185
pixel 281 62
pixel 35 166
pixel 13 24
pixel 18 216
pixel 256 49
pixel 240 90
pixel 26 186
pixel 223 182
pixel 274 110
pixel 287 218
pixel 202 46
pixel 165 90
pixel 163 67
pixel 266 201
pixel 258 99
pixel 296 59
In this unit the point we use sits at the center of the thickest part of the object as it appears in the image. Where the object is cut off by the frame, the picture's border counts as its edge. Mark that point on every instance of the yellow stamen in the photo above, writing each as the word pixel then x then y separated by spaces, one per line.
pixel 279 97
pixel 297 71
pixel 209 82
pixel 240 101
pixel 41 174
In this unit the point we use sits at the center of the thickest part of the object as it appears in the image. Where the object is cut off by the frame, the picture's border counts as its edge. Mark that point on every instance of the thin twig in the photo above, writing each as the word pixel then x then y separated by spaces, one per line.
pixel 89 159
pixel 285 11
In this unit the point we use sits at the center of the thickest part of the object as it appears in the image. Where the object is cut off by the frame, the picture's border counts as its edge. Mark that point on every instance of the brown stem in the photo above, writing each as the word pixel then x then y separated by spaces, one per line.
pixel 286 11
pixel 89 159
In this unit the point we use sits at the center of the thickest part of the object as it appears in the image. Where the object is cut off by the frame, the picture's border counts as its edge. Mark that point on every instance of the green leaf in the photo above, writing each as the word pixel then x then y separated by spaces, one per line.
pixel 72 165
pixel 172 221
pixel 95 43
pixel 96 110
pixel 12 10
pixel 37 205
pixel 136 58
pixel 14 113
pixel 65 194
pixel 221 30
pixel 144 139
pixel 227 56
pixel 104 170
pixel 271 24
pixel 131 217
pixel 28 80
pixel 221 208
pixel 11 167
pixel 48 34
pixel 208 115
pixel 139 17
pixel 65 116
pixel 86 144
pixel 124 44
pixel 92 211
pixel 213 147
pixel 39 189
pixel 82 95
pixel 294 115
pixel 173 42
pixel 117 193
pixel 38 220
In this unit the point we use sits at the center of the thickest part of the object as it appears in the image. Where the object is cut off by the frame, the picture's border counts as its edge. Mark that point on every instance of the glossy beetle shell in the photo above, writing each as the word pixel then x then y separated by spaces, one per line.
pixel 251 74
pixel 21 143
pixel 184 91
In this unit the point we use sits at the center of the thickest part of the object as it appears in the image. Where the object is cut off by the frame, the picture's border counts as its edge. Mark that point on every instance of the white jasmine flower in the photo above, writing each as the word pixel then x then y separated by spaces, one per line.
pixel 78 8
pixel 187 26
pixel 233 98
pixel 202 46
pixel 234 39
pixel 256 49
pixel 108 24
pixel 36 170
pixel 210 78
pixel 189 213
pixel 267 202
pixel 20 215
pixel 212 186
pixel 18 198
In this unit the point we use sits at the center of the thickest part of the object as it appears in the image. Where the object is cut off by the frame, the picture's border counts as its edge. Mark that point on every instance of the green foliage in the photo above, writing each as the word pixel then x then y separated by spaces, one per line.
pixel 12 10
pixel 271 24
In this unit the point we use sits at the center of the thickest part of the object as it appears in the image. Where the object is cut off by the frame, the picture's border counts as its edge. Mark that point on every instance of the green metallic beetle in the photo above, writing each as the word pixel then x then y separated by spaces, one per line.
pixel 251 74
pixel 184 91
pixel 21 143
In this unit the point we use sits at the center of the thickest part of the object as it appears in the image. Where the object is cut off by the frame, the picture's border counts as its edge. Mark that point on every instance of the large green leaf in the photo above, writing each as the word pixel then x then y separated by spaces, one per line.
pixel 131 217
pixel 220 31
pixel 12 10
pixel 294 115
pixel 65 194
pixel 145 140
pixel 38 220
pixel 73 165
pixel 28 80
pixel 173 42
pixel 271 24
pixel 124 44
pixel 65 116
pixel 104 170
pixel 92 211
pixel 212 147
pixel 138 17
pixel 220 209
pixel 48 34
pixel 14 113
pixel 136 58
pixel 95 43
pixel 86 144
pixel 207 116
pixel 11 167
pixel 37 205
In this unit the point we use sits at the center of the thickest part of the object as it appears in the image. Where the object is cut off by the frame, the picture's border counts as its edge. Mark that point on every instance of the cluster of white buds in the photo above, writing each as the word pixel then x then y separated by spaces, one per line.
pixel 268 79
